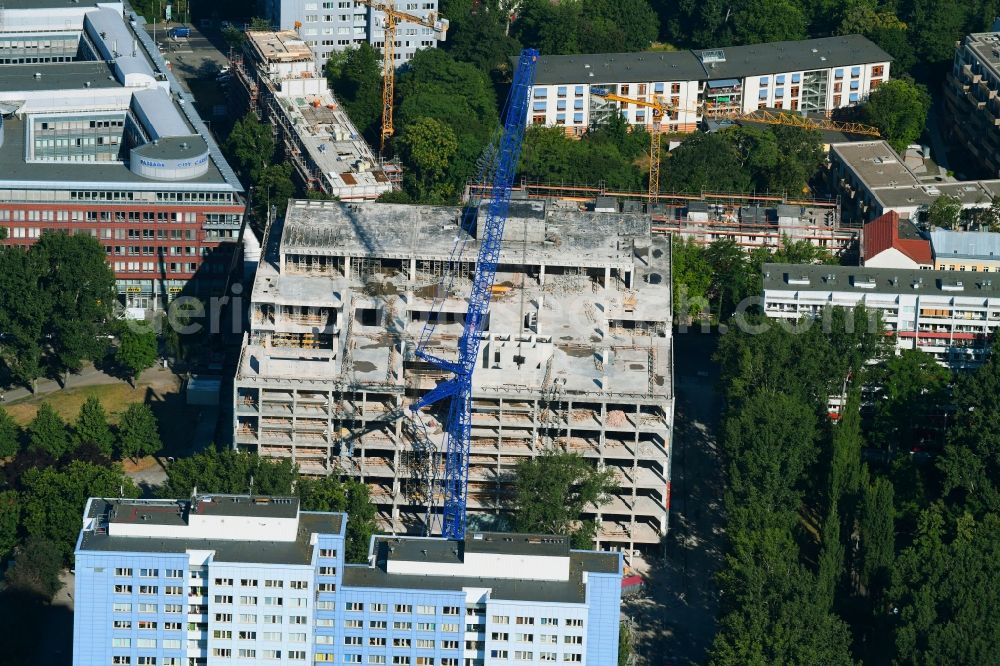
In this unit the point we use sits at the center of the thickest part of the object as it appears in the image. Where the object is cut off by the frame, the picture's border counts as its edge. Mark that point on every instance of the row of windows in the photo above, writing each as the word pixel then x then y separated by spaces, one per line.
pixel 398 660
pixel 292 602
pixel 268 619
pixel 150 625
pixel 269 582
pixel 357 606
pixel 146 661
pixel 150 573
pixel 551 639
pixel 169 590
pixel 124 607
pixel 250 653
pixel 401 642
pixel 544 621
pixel 166 643
pixel 20 215
pixel 521 655
pixel 151 267
pixel 381 625
pixel 226 634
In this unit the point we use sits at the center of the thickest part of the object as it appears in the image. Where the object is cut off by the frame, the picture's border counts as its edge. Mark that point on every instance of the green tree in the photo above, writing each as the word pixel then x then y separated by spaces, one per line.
pixel 428 146
pixel 36 569
pixel 898 108
pixel 350 496
pixel 81 291
pixel 435 85
pixel 936 26
pixel 47 433
pixel 10 521
pixel 552 490
pixel 614 26
pixel 228 471
pixel 692 278
pixel 770 441
pixel 549 27
pixel 478 34
pixel 704 163
pixel 92 427
pixel 137 351
pixel 877 537
pixel 138 432
pixel 24 308
pixel 355 76
pixel 53 499
pixel 913 388
pixel 970 465
pixel 273 186
pixel 251 144
pixel 756 21
pixel 946 591
pixel 945 212
pixel 625 649
pixel 10 435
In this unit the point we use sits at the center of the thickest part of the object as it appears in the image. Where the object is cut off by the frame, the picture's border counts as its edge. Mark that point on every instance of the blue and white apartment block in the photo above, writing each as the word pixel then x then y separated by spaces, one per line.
pixel 240 580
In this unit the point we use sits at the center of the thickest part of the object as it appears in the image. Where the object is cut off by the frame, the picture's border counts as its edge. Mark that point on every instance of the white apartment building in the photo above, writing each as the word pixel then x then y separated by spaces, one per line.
pixel 945 313
pixel 328 26
pixel 816 75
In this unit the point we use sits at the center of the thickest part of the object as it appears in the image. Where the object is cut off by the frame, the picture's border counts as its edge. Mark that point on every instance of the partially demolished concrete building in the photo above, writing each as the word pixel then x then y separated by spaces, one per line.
pixel 577 354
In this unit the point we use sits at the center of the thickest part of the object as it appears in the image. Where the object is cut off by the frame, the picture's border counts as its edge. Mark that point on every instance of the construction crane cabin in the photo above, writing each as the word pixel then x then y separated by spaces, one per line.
pixel 392 18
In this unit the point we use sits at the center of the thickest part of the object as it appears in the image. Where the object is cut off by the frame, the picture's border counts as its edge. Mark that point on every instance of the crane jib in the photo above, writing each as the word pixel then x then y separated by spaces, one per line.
pixel 458 389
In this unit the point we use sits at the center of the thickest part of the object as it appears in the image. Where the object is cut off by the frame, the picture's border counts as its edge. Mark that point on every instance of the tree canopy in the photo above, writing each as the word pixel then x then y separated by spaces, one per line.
pixel 228 471
pixel 137 351
pixel 347 495
pixel 138 432
pixel 92 427
pixel 47 433
pixel 553 489
pixel 355 75
pixel 898 108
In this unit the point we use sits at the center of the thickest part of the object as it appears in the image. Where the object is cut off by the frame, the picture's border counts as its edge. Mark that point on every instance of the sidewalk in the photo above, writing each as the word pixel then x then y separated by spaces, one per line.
pixel 88 376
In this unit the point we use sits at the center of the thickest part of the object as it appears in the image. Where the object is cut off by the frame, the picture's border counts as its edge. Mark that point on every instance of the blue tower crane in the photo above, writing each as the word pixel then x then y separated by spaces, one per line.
pixel 458 389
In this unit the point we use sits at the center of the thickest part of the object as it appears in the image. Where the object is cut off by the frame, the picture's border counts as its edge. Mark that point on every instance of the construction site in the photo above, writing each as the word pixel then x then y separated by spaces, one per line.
pixel 575 355
pixel 279 82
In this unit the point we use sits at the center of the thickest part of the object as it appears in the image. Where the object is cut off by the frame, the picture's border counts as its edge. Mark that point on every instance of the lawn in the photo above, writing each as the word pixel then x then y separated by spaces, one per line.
pixel 162 391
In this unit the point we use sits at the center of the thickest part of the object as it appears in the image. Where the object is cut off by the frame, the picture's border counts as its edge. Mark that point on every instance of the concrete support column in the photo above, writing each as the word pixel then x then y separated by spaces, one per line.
pixel 541 275
pixel 347 268
pixel 413 270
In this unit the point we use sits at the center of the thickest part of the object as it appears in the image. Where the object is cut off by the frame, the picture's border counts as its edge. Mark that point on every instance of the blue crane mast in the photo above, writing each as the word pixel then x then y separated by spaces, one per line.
pixel 458 389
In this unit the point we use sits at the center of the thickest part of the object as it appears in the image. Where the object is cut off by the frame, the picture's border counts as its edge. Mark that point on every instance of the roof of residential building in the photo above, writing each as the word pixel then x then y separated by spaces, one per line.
pixel 57 76
pixel 726 63
pixel 226 550
pixel 794 56
pixel 965 244
pixel 572 590
pixel 861 279
pixel 888 231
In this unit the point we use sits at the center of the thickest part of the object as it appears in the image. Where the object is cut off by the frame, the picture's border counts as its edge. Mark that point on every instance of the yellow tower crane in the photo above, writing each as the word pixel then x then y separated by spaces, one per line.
pixel 792 119
pixel 392 18
pixel 659 108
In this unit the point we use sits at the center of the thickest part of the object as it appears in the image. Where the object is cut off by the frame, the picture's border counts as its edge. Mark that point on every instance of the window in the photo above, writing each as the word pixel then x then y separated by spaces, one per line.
pixel 224 635
pixel 123 572
pixel 376 659
pixel 146 660
pixel 248 618
pixel 546 656
pixel 226 582
pixel 524 638
pixel 573 640
pixel 327 552
pixel 551 621
pixel 303 585
pixel 796 78
pixel 498 654
pixel 272 654
pixel 352 640
pixel 296 638
pixel 122 624
pixel 373 624
pixel 123 589
pixel 223 617
pixel 272 635
pixel 855 71
pixel 574 622
pixel 379 608
pixel 147 624
pixel 402 626
pixel 146 643
pixel 764 82
pixel 779 92
pixel 147 608
pixel 376 641
pixel 149 573
pixel 855 85
pixel 762 94
pixel 121 659
pixel 248 601
pixel 354 606
pixel 572 658
pixel 561 91
pixel 499 636
pixel 247 635
pixel 541 92
pixel 523 656
pixel 426 610
pixel 426 626
pixel 272 619
pixel 274 601
pixel 246 653
pixel 297 619
pixel 274 583
pixel 401 642
pixel 548 639
pixel 838 73
pixel 675 88
pixel 248 582
pixel 525 620
pixel 853 97
pixel 878 70
pixel 449 610
pixel 403 608
pixel 501 619
pixel 780 79
pixel 795 91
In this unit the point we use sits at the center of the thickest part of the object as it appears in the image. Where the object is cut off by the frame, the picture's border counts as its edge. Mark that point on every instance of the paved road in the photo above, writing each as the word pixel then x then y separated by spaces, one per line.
pixel 676 620
pixel 88 376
